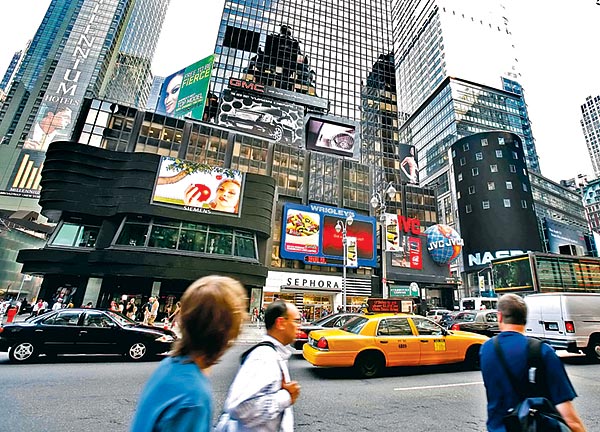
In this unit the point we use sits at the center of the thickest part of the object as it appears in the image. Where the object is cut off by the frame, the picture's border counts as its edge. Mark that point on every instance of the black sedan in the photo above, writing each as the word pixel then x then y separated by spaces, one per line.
pixel 484 322
pixel 330 321
pixel 83 331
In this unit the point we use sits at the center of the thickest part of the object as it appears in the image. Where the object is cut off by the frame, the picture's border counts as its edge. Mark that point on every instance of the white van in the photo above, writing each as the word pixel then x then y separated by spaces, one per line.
pixel 568 321
pixel 478 303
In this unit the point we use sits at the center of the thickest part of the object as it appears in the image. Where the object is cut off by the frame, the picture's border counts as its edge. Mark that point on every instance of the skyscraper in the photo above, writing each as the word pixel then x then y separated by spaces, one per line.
pixel 10 70
pixel 74 53
pixel 590 123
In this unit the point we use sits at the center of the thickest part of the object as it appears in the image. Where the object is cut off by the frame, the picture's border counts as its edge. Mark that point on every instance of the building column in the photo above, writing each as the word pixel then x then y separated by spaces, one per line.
pixel 155 289
pixel 92 291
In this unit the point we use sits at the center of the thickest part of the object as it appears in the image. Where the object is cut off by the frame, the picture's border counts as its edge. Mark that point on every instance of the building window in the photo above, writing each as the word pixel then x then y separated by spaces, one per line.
pixel 475 171
pixel 491 186
pixel 506 203
pixel 453 154
pixel 524 187
pixel 460 177
pixel 458 195
pixel 471 190
pixel 478 156
pixel 509 185
pixel 523 204
pixel 484 142
pixel 468 208
pixel 485 204
pixel 76 235
pixel 500 141
pixel 512 168
pixel 498 153
pixel 515 155
pixel 462 161
pixel 494 168
pixel 466 146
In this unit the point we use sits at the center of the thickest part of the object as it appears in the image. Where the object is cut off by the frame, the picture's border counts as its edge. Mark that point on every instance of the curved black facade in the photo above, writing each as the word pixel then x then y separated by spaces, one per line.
pixel 88 186
pixel 495 203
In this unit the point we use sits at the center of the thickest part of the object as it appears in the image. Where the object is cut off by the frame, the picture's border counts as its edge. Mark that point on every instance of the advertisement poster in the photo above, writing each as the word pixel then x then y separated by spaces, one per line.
pixel 309 235
pixel 410 254
pixel 392 235
pixel 409 167
pixel 198 187
pixel 279 121
pixel 324 135
pixel 351 253
pixel 183 94
pixel 559 234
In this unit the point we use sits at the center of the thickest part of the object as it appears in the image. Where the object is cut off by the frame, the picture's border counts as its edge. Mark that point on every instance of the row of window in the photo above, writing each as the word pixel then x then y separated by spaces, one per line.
pixel 485 205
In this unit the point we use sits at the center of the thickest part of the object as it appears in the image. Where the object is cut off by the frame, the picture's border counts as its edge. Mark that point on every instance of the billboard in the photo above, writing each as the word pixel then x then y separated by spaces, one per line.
pixel 408 167
pixel 278 121
pixel 329 135
pixel 198 187
pixel 309 235
pixel 559 234
pixel 183 94
pixel 513 274
pixel 402 237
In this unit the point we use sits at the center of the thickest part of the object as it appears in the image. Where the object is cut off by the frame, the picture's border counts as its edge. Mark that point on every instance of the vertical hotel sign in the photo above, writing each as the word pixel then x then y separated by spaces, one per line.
pixel 62 100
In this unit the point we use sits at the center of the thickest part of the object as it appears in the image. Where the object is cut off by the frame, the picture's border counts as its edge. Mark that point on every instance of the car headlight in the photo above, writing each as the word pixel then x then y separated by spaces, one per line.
pixel 165 338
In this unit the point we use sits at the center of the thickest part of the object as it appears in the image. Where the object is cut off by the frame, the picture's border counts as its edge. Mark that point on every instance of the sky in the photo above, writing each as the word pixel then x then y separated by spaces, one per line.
pixel 556 44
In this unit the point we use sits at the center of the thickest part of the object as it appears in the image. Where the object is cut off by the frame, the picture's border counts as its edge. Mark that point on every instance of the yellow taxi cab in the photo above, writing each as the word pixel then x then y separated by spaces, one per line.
pixel 371 342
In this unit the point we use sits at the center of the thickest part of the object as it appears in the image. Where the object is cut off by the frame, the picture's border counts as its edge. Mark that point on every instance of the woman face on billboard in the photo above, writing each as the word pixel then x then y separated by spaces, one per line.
pixel 227 197
pixel 172 93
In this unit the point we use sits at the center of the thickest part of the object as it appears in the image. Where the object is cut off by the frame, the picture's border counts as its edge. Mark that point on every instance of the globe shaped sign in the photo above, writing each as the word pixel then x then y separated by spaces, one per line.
pixel 443 243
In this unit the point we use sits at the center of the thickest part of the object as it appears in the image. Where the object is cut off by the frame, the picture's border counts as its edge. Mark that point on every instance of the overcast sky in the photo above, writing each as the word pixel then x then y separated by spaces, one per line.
pixel 557 44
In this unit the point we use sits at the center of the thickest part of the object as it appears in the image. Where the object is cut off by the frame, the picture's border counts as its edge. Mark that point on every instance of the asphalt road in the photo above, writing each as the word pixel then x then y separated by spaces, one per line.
pixel 100 394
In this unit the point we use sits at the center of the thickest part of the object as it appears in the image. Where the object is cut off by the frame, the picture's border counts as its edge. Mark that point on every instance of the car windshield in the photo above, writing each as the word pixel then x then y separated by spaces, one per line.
pixel 322 320
pixel 466 317
pixel 355 325
pixel 121 319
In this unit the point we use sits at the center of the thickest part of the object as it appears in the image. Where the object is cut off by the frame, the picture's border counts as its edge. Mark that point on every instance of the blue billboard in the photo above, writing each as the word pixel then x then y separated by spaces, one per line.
pixel 559 234
pixel 309 235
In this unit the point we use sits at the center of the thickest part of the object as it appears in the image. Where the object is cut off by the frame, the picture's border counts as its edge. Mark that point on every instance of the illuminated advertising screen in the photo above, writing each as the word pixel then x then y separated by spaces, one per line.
pixel 198 187
pixel 277 121
pixel 559 234
pixel 309 235
pixel 183 94
pixel 409 169
pixel 513 274
pixel 328 135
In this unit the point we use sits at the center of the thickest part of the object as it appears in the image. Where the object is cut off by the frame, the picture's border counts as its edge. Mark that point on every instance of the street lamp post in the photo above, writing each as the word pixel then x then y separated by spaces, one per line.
pixel 378 202
pixel 342 226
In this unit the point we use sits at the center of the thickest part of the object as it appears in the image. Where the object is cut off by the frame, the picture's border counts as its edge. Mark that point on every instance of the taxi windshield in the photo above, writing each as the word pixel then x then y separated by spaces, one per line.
pixel 355 325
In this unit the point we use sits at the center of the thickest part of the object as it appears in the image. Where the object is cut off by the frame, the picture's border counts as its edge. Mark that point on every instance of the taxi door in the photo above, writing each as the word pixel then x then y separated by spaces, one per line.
pixel 436 348
pixel 396 339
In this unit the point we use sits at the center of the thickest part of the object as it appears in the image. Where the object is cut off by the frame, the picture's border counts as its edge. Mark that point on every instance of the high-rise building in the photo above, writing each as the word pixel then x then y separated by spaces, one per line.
pixel 435 39
pixel 75 52
pixel 154 94
pixel 590 123
pixel 10 70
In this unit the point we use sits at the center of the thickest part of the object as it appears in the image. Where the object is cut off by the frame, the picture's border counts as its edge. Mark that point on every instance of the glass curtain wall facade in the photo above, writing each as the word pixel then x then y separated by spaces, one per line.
pixel 590 124
pixel 10 71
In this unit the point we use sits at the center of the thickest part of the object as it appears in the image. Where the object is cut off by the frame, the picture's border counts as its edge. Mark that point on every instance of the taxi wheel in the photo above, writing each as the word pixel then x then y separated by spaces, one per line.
pixel 472 358
pixel 369 364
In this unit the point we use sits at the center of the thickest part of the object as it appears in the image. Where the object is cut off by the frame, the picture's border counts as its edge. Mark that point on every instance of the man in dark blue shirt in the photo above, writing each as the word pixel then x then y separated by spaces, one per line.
pixel 512 316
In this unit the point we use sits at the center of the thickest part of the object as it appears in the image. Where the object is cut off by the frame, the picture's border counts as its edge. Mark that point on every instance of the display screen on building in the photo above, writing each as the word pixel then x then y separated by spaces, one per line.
pixel 183 94
pixel 328 135
pixel 559 234
pixel 198 187
pixel 409 168
pixel 513 274
pixel 403 237
pixel 277 121
pixel 309 235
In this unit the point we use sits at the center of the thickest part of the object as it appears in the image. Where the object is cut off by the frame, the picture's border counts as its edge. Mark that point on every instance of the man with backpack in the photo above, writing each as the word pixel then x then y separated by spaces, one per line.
pixel 261 396
pixel 515 368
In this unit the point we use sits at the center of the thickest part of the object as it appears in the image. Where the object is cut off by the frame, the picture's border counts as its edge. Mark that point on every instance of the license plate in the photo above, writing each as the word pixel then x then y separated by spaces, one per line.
pixel 552 326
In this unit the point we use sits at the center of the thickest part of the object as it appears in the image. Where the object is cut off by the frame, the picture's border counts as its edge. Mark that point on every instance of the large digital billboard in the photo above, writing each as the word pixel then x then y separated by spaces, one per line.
pixel 309 235
pixel 183 94
pixel 559 234
pixel 408 165
pixel 198 187
pixel 278 121
pixel 329 135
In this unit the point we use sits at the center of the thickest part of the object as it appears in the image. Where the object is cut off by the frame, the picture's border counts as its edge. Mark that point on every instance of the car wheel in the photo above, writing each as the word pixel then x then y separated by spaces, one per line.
pixel 369 364
pixel 22 352
pixel 277 133
pixel 137 351
pixel 472 358
pixel 593 349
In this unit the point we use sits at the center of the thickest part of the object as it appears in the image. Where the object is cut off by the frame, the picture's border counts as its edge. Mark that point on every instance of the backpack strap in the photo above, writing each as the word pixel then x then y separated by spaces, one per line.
pixel 536 368
pixel 246 353
pixel 514 382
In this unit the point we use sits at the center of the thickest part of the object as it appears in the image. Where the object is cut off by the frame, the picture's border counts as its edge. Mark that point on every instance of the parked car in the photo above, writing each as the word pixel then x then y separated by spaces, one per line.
pixel 83 331
pixel 372 342
pixel 478 303
pixel 330 321
pixel 447 319
pixel 484 322
pixel 437 314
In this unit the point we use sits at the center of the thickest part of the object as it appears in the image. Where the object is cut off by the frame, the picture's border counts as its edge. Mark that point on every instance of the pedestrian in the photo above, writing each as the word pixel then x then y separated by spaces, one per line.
pixel 261 396
pixel 153 312
pixel 512 316
pixel 131 308
pixel 89 305
pixel 114 306
pixel 177 397
pixel 173 317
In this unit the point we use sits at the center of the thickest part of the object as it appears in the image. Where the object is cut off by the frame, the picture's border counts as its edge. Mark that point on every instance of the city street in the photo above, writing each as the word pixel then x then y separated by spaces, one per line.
pixel 100 394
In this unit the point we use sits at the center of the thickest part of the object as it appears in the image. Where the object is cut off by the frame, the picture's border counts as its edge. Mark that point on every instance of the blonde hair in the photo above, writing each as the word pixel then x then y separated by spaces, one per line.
pixel 212 311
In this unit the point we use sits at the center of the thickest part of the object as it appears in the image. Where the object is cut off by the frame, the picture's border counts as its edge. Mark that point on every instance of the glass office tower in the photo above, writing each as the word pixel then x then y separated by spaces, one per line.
pixel 590 124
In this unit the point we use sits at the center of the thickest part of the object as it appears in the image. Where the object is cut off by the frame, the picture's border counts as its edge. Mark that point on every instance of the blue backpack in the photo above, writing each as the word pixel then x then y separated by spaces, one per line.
pixel 535 413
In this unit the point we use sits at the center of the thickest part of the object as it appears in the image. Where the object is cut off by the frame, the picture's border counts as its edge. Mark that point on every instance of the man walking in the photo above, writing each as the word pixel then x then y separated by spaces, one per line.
pixel 262 393
pixel 512 316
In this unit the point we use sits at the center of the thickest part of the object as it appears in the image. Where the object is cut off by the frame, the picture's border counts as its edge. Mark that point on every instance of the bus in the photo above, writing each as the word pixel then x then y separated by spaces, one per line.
pixel 537 272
